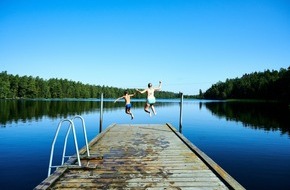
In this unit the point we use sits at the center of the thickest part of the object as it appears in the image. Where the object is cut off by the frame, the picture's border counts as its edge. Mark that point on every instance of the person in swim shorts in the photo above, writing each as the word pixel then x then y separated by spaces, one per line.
pixel 127 98
pixel 150 97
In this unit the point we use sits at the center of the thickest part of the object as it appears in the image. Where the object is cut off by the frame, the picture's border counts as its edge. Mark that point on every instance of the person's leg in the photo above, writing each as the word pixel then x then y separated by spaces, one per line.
pixel 153 109
pixel 132 116
pixel 128 111
pixel 146 108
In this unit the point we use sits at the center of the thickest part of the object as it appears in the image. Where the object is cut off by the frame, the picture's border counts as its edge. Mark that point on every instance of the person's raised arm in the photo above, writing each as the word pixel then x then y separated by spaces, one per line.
pixel 132 94
pixel 141 91
pixel 118 99
pixel 159 87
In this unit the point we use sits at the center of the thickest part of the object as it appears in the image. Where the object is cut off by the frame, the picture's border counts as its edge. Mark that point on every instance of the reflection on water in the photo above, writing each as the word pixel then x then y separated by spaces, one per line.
pixel 27 110
pixel 263 115
pixel 269 116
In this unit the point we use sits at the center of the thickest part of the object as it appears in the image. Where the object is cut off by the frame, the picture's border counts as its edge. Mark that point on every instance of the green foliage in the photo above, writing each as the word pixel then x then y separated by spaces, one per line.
pixel 268 85
pixel 4 85
pixel 29 87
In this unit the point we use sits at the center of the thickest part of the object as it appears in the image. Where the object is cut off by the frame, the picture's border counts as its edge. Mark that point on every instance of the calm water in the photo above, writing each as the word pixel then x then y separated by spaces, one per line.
pixel 250 140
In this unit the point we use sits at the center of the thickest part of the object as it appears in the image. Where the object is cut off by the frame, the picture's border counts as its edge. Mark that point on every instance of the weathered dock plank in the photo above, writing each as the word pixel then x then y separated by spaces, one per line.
pixel 141 156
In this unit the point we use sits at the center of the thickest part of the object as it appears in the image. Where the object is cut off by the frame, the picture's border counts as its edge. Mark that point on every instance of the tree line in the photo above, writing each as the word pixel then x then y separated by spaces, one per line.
pixel 16 87
pixel 267 85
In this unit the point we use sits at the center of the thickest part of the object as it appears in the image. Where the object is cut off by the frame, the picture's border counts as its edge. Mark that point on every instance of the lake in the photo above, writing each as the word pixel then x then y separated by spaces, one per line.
pixel 250 140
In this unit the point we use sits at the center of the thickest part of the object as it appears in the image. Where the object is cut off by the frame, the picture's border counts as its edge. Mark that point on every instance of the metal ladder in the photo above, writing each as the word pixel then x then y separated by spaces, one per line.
pixel 71 126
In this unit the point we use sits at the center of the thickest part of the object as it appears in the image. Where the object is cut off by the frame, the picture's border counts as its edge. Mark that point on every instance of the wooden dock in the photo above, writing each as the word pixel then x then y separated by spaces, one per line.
pixel 141 156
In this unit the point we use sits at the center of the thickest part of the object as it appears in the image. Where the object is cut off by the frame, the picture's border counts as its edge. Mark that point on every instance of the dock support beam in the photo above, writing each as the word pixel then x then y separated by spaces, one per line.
pixel 180 116
pixel 101 114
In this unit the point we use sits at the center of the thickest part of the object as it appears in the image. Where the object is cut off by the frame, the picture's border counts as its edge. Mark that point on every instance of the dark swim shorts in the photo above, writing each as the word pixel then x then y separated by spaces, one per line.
pixel 128 106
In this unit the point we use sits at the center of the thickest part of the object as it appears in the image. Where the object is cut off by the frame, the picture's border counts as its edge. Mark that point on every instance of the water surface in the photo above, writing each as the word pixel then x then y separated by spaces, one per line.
pixel 250 140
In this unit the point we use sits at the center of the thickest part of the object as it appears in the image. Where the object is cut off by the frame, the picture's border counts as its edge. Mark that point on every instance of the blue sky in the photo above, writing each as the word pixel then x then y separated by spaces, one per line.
pixel 188 44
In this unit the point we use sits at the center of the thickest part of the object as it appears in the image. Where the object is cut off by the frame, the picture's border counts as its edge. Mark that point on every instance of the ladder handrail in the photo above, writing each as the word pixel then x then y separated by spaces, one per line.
pixel 85 136
pixel 54 140
pixel 64 146
pixel 85 132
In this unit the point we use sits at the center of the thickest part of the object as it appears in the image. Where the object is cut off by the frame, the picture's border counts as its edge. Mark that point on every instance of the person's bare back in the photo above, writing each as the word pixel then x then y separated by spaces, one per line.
pixel 150 92
pixel 150 97
pixel 127 99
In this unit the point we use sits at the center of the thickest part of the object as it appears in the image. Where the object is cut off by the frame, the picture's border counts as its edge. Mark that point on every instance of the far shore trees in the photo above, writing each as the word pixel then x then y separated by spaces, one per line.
pixel 16 87
pixel 267 85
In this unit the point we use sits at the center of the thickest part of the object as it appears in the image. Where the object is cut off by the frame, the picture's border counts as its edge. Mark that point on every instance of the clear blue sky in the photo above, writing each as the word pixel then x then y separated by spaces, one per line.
pixel 188 44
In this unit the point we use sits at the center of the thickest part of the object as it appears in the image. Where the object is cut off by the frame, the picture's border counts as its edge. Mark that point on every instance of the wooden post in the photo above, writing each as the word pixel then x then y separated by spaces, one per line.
pixel 180 116
pixel 101 114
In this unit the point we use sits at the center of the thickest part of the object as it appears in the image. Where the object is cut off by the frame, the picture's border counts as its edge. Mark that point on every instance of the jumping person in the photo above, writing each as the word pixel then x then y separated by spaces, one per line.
pixel 150 97
pixel 127 98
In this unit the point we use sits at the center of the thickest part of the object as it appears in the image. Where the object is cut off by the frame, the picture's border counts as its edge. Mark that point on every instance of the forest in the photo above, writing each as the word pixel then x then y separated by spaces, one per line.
pixel 267 85
pixel 18 87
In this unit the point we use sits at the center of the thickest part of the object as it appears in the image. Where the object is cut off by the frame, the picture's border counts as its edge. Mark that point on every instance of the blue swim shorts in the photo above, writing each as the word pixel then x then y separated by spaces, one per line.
pixel 128 106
